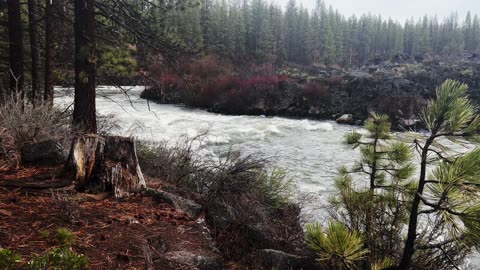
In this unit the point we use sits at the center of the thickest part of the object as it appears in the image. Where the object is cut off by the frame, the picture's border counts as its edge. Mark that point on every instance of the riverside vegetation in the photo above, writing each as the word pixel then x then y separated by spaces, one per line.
pixel 250 207
pixel 238 211
pixel 439 211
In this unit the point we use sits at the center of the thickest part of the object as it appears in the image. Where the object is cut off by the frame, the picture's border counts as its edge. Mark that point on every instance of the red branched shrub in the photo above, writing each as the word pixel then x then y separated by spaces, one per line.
pixel 208 67
pixel 168 79
pixel 335 81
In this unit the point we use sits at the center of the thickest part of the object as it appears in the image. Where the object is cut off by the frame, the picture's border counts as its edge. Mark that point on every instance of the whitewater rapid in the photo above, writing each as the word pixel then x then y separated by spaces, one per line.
pixel 311 150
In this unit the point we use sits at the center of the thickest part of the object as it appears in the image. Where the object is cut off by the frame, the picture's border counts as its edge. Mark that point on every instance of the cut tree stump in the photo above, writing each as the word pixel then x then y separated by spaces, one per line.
pixel 109 163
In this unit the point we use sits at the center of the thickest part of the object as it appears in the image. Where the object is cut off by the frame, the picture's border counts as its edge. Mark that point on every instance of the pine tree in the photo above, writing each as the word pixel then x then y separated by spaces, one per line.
pixel 475 35
pixel 452 205
pixel 375 212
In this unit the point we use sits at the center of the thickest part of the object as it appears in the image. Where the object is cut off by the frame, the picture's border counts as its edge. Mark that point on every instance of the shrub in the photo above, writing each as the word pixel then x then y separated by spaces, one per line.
pixel 173 164
pixel 65 237
pixel 244 184
pixel 338 247
pixel 232 174
pixel 21 124
pixel 468 72
pixel 8 259
pixel 60 258
pixel 335 81
pixel 208 67
pixel 277 185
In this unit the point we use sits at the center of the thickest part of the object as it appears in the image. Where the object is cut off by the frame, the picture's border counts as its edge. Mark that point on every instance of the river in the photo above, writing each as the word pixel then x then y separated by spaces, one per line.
pixel 311 150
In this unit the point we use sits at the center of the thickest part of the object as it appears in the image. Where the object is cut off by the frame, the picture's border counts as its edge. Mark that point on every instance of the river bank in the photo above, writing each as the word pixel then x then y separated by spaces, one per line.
pixel 399 88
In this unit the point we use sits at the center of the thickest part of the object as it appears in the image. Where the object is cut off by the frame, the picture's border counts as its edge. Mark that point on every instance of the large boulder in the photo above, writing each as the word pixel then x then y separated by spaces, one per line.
pixel 279 260
pixel 408 123
pixel 47 153
pixel 186 206
pixel 220 216
pixel 345 119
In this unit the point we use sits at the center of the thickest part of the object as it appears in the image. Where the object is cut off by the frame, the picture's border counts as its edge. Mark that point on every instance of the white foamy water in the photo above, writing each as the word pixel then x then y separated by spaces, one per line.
pixel 311 150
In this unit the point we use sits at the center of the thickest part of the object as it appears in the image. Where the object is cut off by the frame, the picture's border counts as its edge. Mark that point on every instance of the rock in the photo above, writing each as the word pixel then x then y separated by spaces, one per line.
pixel 345 119
pixel 184 205
pixel 47 153
pixel 360 75
pixel 279 260
pixel 260 235
pixel 153 93
pixel 199 261
pixel 406 123
pixel 220 216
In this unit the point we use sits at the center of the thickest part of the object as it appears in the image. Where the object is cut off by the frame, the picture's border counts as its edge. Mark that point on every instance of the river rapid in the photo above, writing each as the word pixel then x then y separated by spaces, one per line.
pixel 311 150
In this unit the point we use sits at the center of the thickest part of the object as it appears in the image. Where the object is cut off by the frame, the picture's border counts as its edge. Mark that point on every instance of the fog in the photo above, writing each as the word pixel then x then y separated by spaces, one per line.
pixel 400 10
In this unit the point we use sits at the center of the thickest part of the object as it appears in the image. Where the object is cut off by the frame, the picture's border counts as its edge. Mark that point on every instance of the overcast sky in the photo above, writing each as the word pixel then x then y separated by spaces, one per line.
pixel 399 9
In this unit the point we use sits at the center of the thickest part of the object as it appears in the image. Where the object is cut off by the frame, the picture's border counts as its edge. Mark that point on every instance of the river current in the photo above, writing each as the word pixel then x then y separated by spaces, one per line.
pixel 311 150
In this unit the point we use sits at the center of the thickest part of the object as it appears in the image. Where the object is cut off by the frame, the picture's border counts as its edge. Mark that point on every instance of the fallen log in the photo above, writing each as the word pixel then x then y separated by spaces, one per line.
pixel 105 164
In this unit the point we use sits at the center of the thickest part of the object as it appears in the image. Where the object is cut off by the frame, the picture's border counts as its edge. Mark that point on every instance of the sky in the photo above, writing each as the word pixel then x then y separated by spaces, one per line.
pixel 400 10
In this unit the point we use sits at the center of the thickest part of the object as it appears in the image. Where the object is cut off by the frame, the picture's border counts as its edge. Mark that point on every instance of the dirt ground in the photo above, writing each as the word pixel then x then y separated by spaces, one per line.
pixel 112 234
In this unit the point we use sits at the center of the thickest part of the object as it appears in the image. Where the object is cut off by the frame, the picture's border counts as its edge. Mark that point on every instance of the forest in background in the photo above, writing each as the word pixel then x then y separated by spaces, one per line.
pixel 252 31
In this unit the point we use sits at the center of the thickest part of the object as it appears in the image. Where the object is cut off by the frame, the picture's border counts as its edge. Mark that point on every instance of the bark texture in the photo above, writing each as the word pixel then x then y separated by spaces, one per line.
pixel 100 164
pixel 15 36
pixel 35 49
pixel 84 118
pixel 50 44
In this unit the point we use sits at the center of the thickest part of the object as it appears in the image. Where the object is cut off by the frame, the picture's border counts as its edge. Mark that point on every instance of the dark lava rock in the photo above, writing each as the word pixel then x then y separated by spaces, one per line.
pixel 185 205
pixel 401 84
pixel 261 235
pixel 48 153
pixel 220 215
pixel 199 261
pixel 279 260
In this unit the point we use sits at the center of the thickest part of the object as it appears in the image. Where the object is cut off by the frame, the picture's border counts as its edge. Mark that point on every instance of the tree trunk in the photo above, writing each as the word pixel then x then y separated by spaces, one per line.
pixel 50 39
pixel 15 35
pixel 34 46
pixel 409 249
pixel 84 118
pixel 102 164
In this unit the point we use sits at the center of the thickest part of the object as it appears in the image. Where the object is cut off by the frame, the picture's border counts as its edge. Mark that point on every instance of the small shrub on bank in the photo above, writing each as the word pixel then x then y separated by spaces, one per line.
pixel 173 164
pixel 338 247
pixel 277 185
pixel 65 237
pixel 21 124
pixel 233 173
pixel 8 259
pixel 26 123
pixel 259 198
pixel 60 258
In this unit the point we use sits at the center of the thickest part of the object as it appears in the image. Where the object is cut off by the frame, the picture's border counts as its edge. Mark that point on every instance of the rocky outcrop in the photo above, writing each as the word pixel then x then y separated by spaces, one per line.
pixel 400 88
pixel 197 261
pixel 220 216
pixel 279 260
pixel 184 205
pixel 46 153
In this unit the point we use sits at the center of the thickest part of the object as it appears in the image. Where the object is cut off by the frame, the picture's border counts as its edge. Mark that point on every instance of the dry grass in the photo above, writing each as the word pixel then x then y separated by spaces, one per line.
pixel 21 124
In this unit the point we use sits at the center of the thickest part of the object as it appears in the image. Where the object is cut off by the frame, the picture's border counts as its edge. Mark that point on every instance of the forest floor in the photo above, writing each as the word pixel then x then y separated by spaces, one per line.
pixel 112 234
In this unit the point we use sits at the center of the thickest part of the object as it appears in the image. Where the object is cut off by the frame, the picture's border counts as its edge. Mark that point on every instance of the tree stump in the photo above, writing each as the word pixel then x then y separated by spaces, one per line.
pixel 110 163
